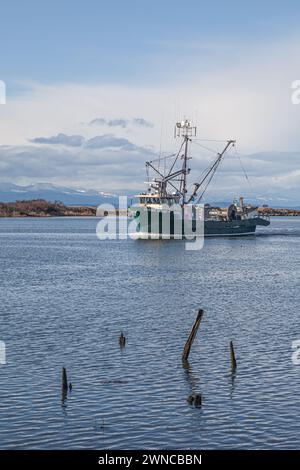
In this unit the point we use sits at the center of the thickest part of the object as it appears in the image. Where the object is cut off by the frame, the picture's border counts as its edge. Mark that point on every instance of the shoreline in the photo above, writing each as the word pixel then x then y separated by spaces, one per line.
pixel 44 209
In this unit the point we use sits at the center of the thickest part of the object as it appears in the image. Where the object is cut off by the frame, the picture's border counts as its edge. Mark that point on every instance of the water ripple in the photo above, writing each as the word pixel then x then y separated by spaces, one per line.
pixel 65 298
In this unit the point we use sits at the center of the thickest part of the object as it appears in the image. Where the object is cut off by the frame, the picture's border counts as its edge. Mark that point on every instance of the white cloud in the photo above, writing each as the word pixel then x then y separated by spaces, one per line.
pixel 117 122
pixel 109 122
pixel 247 98
pixel 60 139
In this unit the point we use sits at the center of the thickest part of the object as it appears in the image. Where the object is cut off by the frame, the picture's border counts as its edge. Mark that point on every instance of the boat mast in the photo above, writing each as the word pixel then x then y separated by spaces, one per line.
pixel 184 169
pixel 185 130
pixel 177 179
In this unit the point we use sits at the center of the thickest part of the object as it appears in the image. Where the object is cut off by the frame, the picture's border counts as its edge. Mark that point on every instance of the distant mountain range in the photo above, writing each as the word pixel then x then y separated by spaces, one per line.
pixel 10 192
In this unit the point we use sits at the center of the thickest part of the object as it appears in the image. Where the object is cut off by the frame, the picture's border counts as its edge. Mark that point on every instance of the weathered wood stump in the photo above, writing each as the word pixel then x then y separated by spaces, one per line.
pixel 232 357
pixel 192 336
pixel 64 380
pixel 122 340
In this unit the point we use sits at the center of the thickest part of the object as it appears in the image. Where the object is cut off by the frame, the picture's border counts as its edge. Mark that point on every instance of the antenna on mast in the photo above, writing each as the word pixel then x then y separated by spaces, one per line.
pixel 185 129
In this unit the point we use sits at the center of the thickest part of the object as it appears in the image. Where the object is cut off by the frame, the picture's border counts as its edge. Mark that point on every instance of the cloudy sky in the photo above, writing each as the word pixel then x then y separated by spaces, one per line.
pixel 94 89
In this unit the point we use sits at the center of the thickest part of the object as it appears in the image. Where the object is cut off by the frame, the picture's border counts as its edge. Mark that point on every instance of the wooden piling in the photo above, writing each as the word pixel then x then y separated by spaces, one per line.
pixel 232 357
pixel 64 380
pixel 198 401
pixel 122 340
pixel 192 336
pixel 190 399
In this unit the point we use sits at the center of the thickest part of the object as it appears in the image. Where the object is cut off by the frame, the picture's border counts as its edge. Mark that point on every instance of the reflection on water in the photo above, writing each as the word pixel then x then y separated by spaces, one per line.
pixel 66 297
pixel 193 381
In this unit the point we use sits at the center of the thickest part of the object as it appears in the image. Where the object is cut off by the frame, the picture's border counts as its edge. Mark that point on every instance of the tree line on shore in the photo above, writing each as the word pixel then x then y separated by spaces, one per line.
pixel 42 208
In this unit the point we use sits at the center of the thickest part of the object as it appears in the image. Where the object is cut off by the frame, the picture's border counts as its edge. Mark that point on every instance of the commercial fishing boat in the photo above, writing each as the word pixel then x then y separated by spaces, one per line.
pixel 167 199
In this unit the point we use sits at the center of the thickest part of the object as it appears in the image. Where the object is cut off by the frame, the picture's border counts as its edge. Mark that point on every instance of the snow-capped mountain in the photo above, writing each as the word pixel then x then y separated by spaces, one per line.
pixel 10 192
pixel 71 196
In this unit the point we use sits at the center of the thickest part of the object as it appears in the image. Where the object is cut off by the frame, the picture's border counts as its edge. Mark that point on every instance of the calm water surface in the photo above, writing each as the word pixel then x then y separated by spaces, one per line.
pixel 65 297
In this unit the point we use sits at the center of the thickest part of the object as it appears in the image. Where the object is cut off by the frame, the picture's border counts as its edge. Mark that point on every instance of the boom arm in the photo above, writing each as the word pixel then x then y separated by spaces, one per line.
pixel 210 173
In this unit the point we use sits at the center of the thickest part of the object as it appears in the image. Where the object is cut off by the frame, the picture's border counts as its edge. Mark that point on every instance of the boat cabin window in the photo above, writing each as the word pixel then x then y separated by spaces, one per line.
pixel 158 200
pixel 149 200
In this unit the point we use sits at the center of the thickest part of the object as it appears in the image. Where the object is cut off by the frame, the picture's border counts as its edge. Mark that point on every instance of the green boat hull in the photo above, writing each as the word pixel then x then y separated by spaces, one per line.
pixel 212 228
pixel 233 227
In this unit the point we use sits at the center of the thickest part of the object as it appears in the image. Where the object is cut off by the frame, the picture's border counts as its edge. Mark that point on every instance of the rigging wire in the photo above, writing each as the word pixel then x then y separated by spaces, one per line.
pixel 238 156
pixel 160 143
pixel 205 170
pixel 210 140
pixel 148 176
pixel 216 177
pixel 214 169
pixel 208 149
pixel 204 147
pixel 207 184
pixel 178 153
pixel 164 158
pixel 199 177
